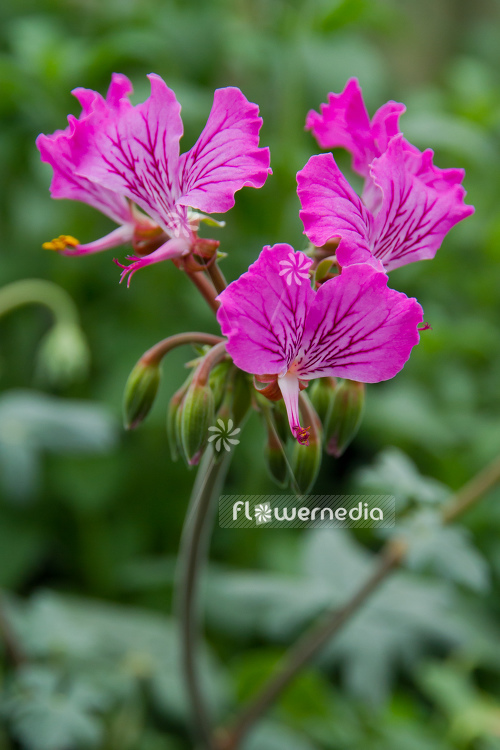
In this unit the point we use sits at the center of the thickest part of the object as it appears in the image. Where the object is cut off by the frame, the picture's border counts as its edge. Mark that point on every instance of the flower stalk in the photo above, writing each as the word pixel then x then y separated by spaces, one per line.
pixel 192 557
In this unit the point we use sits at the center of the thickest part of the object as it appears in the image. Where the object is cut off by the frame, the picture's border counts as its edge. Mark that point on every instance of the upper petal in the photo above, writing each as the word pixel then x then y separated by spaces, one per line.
pixel 263 315
pixel 420 204
pixel 330 207
pixel 63 153
pixel 135 151
pixel 359 329
pixel 226 156
pixel 344 123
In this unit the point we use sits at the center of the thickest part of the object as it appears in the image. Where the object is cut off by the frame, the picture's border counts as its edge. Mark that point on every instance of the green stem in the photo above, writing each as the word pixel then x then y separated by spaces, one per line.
pixel 192 556
pixel 41 292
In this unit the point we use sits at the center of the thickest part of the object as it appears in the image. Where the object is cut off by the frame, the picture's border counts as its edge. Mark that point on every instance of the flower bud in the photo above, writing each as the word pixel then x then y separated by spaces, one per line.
pixel 173 419
pixel 217 381
pixel 140 393
pixel 275 454
pixel 63 355
pixel 197 414
pixel 241 396
pixel 345 416
pixel 322 395
pixel 306 459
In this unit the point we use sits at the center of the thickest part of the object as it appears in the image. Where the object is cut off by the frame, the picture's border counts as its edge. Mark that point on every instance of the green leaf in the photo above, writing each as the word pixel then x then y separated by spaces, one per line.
pixel 46 711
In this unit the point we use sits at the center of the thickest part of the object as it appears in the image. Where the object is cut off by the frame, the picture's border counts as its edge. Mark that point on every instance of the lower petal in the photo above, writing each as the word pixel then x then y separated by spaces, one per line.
pixel 121 236
pixel 289 386
pixel 174 248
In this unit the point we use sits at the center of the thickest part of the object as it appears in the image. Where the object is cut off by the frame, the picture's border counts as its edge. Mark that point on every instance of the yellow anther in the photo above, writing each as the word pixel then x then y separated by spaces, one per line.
pixel 61 242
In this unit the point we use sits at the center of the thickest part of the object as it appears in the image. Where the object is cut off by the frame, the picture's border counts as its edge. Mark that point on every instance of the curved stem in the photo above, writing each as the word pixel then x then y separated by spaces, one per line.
pixel 41 292
pixel 205 287
pixel 218 278
pixel 211 358
pixel 159 350
pixel 392 554
pixel 192 557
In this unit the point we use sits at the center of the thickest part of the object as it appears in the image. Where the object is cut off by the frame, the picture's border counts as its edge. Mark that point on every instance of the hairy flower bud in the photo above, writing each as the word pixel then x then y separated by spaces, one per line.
pixel 345 416
pixel 197 414
pixel 173 419
pixel 275 454
pixel 306 459
pixel 218 381
pixel 322 395
pixel 140 393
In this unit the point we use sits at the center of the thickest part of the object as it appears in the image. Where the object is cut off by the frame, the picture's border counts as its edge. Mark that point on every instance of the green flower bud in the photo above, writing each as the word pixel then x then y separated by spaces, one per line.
pixel 140 393
pixel 197 415
pixel 274 454
pixel 345 416
pixel 322 395
pixel 242 395
pixel 218 380
pixel 63 355
pixel 305 462
pixel 173 419
pixel 306 459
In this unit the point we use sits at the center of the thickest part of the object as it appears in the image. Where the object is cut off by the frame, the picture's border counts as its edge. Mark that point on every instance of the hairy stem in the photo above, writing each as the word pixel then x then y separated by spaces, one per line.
pixel 301 653
pixel 205 287
pixel 217 277
pixel 159 350
pixel 192 558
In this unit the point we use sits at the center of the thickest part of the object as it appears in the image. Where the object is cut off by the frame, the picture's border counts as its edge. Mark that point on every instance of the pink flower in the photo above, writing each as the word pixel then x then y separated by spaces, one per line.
pixel 407 205
pixel 352 327
pixel 417 205
pixel 117 153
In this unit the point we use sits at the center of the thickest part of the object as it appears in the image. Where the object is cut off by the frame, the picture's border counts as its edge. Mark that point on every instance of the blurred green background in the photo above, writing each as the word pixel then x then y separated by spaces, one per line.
pixel 90 516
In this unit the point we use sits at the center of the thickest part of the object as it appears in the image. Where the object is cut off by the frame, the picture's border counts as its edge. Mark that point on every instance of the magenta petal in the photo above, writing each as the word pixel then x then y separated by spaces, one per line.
pixel 135 151
pixel 226 156
pixel 420 205
pixel 121 236
pixel 263 315
pixel 61 151
pixel 57 150
pixel 330 207
pixel 344 123
pixel 174 248
pixel 357 328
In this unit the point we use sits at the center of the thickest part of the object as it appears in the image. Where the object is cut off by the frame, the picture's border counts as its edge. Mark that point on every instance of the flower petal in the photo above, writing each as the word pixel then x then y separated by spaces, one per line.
pixel 262 316
pixel 135 151
pixel 359 329
pixel 174 248
pixel 63 154
pixel 330 207
pixel 226 156
pixel 420 205
pixel 344 123
pixel 121 236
